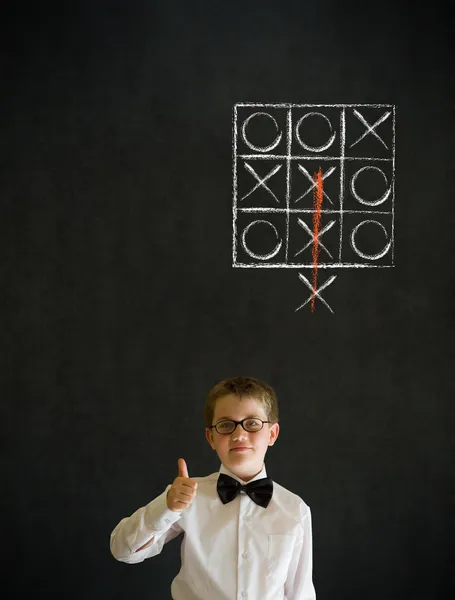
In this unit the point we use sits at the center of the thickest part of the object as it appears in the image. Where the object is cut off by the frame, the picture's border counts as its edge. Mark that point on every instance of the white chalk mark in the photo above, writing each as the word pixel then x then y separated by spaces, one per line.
pixel 316 292
pixel 315 148
pixel 342 167
pixel 261 182
pixel 380 200
pixel 288 178
pixel 282 265
pixel 312 157
pixel 370 128
pixel 392 236
pixel 234 186
pixel 273 145
pixel 313 236
pixel 380 254
pixel 329 211
pixel 314 183
pixel 290 105
pixel 261 256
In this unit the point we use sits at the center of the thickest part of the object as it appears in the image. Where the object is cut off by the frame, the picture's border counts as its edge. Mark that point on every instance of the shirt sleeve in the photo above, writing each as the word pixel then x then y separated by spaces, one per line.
pixel 149 528
pixel 299 582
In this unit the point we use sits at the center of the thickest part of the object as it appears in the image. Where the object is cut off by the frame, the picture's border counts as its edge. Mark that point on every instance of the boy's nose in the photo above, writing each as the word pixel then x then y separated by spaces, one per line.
pixel 242 431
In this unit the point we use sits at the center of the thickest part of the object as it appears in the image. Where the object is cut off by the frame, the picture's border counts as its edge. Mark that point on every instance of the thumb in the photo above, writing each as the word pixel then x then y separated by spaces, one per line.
pixel 183 469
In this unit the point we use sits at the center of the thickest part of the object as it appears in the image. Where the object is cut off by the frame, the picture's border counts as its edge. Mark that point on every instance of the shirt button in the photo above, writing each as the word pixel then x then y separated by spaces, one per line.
pixel 166 521
pixel 245 595
pixel 245 555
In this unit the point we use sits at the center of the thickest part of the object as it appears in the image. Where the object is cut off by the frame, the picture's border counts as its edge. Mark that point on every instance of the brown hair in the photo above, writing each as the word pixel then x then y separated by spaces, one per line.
pixel 242 387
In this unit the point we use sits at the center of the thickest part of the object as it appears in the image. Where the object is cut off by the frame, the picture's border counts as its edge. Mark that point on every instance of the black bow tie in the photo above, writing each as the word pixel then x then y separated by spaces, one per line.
pixel 260 490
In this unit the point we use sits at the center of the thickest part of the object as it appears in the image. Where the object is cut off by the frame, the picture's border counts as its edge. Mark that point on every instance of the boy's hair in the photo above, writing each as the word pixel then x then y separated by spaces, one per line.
pixel 242 387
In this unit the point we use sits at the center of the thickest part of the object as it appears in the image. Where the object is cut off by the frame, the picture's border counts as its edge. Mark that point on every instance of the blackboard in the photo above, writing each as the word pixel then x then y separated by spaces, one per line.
pixel 121 307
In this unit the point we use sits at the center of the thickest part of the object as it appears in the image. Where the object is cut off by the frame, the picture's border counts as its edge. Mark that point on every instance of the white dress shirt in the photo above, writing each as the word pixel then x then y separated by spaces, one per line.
pixel 234 551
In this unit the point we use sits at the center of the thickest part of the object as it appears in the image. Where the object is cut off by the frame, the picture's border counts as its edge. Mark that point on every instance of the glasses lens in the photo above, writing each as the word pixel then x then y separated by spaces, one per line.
pixel 225 427
pixel 253 424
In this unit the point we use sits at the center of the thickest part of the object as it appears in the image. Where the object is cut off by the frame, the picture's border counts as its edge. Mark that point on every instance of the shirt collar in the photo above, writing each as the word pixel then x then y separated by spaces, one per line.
pixel 260 475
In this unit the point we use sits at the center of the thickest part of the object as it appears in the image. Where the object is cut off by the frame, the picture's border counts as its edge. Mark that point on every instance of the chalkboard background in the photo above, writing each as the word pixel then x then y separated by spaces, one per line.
pixel 120 307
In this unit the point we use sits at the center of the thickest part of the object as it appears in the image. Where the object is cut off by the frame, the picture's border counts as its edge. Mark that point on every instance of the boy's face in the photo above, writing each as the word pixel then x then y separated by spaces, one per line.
pixel 246 463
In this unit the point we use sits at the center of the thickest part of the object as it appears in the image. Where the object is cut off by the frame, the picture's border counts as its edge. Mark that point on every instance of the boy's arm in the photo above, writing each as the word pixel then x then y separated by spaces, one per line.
pixel 299 582
pixel 145 532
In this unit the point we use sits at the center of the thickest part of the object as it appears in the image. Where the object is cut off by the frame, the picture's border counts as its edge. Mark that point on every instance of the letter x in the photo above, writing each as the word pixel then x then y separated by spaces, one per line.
pixel 316 293
pixel 370 128
pixel 261 182
pixel 313 237
pixel 314 183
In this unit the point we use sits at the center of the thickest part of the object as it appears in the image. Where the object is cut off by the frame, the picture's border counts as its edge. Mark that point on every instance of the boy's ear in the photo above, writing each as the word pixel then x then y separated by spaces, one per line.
pixel 274 431
pixel 209 436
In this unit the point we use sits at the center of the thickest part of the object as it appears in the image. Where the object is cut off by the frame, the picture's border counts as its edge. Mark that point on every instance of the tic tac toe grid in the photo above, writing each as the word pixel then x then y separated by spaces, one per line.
pixel 278 149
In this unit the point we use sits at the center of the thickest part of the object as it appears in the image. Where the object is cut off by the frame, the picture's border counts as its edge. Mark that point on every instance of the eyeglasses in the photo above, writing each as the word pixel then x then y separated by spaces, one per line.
pixel 250 425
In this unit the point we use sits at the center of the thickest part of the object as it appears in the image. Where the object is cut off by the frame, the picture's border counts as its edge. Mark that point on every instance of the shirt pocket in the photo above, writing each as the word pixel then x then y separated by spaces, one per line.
pixel 279 557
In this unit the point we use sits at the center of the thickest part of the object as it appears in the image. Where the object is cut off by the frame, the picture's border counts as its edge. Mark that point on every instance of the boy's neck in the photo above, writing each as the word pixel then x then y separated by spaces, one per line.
pixel 243 476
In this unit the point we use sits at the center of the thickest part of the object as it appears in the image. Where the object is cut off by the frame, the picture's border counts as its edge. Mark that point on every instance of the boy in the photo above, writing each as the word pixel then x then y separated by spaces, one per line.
pixel 245 537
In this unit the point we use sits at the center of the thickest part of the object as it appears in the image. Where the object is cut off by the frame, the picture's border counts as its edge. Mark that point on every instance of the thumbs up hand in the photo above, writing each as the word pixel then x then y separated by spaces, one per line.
pixel 182 491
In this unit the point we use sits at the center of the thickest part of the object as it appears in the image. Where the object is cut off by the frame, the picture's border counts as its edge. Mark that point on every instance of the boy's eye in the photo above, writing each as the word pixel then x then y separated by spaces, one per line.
pixel 225 425
pixel 252 423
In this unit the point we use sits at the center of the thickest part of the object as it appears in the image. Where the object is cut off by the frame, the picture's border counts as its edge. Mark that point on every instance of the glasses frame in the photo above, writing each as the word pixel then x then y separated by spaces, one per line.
pixel 239 423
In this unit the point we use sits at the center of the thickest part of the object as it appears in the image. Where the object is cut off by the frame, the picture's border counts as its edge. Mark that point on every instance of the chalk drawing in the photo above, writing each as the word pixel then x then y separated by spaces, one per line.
pixel 316 293
pixel 261 182
pixel 313 182
pixel 313 240
pixel 329 173
pixel 261 256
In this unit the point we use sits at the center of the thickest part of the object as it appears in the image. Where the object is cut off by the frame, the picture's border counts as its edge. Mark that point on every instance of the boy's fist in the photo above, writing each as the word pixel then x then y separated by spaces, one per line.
pixel 182 491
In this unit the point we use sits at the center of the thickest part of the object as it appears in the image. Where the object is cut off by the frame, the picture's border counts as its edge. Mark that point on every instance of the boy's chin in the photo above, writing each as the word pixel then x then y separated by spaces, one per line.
pixel 246 462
